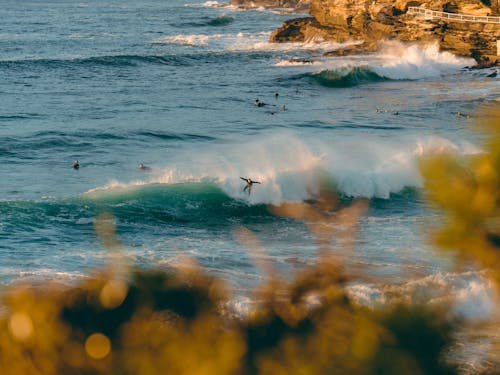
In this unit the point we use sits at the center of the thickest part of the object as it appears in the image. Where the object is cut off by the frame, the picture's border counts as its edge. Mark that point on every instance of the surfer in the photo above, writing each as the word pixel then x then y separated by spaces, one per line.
pixel 276 95
pixel 258 103
pixel 76 164
pixel 142 167
pixel 249 182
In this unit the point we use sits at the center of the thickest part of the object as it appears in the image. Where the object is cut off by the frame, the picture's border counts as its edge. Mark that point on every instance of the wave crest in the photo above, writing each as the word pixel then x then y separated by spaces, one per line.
pixel 346 77
pixel 222 20
pixel 294 169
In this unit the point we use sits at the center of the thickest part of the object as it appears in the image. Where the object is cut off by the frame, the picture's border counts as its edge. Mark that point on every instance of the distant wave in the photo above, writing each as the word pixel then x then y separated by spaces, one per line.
pixel 346 77
pixel 114 61
pixel 189 39
pixel 86 139
pixel 187 58
pixel 394 61
pixel 172 135
pixel 222 20
pixel 297 62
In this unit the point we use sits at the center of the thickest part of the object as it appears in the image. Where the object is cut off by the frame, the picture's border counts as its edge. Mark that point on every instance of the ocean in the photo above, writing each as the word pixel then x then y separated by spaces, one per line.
pixel 173 85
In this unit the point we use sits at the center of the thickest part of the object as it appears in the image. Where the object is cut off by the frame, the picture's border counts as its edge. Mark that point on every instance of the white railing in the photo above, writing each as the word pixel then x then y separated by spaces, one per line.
pixel 432 14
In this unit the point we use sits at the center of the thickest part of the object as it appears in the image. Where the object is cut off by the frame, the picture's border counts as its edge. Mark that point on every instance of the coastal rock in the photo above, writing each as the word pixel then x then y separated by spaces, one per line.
pixel 296 5
pixel 374 20
pixel 301 29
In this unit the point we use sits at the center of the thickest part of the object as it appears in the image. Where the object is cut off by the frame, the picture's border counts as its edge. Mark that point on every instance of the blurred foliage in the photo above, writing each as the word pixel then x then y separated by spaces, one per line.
pixel 467 190
pixel 176 322
pixel 126 320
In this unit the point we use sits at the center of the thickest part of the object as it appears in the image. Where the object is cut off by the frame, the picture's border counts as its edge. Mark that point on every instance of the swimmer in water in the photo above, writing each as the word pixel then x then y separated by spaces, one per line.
pixel 249 182
pixel 76 164
pixel 258 103
pixel 142 167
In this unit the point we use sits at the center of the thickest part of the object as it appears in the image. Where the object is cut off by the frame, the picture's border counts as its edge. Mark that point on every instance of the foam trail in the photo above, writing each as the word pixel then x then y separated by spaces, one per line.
pixel 189 39
pixel 246 42
pixel 206 4
pixel 297 63
pixel 292 169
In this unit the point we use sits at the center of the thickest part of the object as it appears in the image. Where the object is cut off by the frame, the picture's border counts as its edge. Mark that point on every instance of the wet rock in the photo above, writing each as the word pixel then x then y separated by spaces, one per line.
pixel 296 5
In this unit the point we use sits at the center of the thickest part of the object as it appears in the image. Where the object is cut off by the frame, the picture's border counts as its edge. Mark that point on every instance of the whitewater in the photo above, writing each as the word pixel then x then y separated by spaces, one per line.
pixel 173 85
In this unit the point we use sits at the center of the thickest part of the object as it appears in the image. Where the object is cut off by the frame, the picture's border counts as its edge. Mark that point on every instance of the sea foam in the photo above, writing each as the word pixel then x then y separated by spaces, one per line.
pixel 247 42
pixel 414 61
pixel 397 60
pixel 206 4
pixel 189 39
pixel 472 294
pixel 292 168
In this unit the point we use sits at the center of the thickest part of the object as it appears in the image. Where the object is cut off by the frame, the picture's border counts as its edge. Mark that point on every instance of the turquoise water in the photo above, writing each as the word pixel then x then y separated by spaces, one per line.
pixel 172 84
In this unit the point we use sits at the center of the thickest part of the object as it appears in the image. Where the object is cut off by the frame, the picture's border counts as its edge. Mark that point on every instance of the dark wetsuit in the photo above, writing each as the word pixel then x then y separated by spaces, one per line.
pixel 249 182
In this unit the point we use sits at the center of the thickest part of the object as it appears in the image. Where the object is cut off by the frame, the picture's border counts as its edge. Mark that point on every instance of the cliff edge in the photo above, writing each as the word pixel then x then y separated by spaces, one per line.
pixel 376 20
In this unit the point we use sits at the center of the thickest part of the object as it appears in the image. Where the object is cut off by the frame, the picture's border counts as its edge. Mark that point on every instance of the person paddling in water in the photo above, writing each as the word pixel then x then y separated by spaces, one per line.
pixel 143 167
pixel 249 182
pixel 259 103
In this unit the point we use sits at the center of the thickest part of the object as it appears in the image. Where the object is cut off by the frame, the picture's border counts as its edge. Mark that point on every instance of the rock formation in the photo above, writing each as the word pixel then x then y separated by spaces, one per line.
pixel 376 20
pixel 297 5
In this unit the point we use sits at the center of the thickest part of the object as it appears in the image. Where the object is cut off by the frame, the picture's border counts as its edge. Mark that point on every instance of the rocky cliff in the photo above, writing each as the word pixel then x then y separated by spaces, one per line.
pixel 376 20
pixel 297 5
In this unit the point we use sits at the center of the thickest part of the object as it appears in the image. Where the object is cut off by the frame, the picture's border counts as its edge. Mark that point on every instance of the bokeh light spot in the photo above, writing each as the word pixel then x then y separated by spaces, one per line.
pixel 113 293
pixel 97 346
pixel 21 326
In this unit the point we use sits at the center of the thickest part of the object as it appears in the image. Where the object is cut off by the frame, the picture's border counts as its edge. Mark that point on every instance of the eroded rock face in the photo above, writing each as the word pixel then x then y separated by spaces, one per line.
pixel 297 5
pixel 375 20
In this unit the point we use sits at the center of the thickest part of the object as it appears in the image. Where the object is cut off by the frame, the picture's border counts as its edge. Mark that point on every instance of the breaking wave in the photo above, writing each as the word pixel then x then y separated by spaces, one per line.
pixel 346 77
pixel 294 169
pixel 222 20
pixel 395 61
